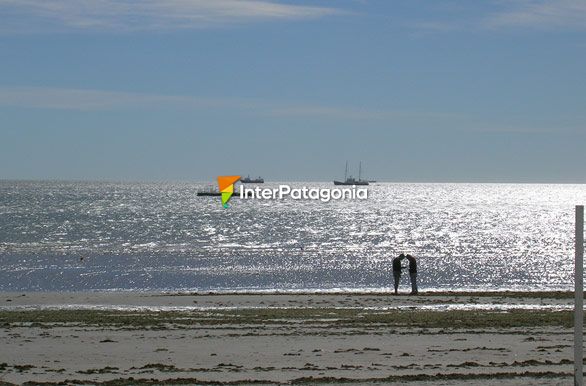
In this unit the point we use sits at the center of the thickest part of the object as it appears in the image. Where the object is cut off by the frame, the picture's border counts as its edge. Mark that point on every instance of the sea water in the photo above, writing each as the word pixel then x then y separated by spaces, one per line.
pixel 79 236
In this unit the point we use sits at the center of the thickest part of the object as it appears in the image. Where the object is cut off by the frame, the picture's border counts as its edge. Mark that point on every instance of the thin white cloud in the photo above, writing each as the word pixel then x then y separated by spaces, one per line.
pixel 506 15
pixel 98 100
pixel 130 15
pixel 520 129
pixel 88 100
pixel 540 14
pixel 357 113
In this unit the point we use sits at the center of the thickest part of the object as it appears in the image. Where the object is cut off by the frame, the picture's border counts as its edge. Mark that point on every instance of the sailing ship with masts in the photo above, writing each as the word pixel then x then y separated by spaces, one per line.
pixel 349 180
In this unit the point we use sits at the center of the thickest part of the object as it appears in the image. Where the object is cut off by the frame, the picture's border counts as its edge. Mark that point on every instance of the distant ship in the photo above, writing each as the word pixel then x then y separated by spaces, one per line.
pixel 208 191
pixel 248 180
pixel 349 180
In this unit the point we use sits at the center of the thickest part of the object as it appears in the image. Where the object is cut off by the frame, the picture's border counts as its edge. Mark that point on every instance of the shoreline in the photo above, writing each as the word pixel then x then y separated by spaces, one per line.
pixel 375 292
pixel 181 301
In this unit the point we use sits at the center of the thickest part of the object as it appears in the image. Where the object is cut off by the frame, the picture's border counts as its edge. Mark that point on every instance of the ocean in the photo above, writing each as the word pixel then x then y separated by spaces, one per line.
pixel 85 236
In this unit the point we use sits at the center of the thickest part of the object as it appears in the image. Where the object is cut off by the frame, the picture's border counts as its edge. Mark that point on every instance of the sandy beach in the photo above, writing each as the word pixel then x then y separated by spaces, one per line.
pixel 148 338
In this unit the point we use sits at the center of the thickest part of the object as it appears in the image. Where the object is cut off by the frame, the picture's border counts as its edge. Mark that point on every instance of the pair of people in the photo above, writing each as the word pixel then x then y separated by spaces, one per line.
pixel 397 268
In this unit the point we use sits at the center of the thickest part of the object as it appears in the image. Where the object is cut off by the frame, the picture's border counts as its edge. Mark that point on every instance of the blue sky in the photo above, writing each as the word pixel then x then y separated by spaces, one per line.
pixel 190 89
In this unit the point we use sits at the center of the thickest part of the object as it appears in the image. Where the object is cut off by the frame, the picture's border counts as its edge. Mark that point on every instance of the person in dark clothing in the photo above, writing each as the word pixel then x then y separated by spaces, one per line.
pixel 397 270
pixel 413 274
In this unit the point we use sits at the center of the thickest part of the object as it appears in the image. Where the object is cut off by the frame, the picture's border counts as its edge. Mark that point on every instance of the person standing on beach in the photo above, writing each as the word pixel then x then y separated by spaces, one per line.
pixel 397 271
pixel 413 274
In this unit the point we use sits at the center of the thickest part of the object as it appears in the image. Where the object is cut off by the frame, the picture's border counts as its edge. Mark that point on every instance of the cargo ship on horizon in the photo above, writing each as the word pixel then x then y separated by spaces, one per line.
pixel 248 180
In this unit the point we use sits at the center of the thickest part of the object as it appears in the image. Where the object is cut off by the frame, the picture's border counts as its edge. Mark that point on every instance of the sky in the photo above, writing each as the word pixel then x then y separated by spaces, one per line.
pixel 185 90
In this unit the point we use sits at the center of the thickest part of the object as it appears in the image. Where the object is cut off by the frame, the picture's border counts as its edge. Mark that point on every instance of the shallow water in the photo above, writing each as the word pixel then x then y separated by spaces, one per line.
pixel 419 307
pixel 154 236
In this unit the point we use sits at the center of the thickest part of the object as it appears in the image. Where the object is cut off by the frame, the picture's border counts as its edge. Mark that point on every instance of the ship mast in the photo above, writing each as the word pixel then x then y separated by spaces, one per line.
pixel 346 172
pixel 360 171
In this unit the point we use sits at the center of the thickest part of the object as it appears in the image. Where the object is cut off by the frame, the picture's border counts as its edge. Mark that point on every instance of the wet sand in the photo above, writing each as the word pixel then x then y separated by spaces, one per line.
pixel 150 338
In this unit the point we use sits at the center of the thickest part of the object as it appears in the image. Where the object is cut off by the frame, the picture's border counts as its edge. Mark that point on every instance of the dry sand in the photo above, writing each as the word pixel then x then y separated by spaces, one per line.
pixel 140 338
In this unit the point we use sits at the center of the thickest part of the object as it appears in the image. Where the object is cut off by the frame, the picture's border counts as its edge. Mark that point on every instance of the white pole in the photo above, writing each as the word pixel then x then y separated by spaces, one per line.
pixel 579 300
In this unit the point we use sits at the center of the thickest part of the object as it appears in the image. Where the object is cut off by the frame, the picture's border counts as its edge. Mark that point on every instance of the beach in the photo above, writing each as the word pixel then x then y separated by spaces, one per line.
pixel 439 338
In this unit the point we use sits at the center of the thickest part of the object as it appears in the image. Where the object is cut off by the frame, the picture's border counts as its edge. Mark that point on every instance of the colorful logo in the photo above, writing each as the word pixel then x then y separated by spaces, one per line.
pixel 226 185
